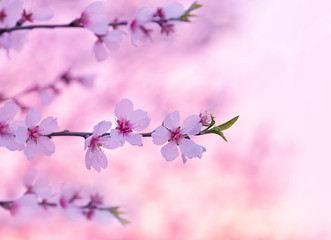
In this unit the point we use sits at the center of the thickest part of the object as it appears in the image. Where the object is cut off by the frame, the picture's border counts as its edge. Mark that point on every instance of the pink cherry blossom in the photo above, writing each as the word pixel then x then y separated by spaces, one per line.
pixel 136 26
pixel 34 135
pixel 205 118
pixel 95 157
pixel 110 41
pixel 41 14
pixel 67 200
pixel 13 40
pixel 177 136
pixel 7 137
pixel 25 206
pixel 38 186
pixel 129 121
pixel 93 19
pixel 87 80
pixel 10 12
pixel 171 11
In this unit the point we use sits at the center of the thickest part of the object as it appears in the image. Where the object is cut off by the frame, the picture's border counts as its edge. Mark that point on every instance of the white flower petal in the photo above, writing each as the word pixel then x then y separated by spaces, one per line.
pixel 46 146
pixel 171 121
pixel 134 139
pixel 101 128
pixel 123 108
pixel 191 125
pixel 94 8
pixel 8 112
pixel 108 142
pixel 191 149
pixel 48 125
pixel 43 14
pixel 140 120
pixel 117 136
pixel 33 118
pixel 31 150
pixel 160 135
pixel 100 51
pixel 170 151
pixel 21 135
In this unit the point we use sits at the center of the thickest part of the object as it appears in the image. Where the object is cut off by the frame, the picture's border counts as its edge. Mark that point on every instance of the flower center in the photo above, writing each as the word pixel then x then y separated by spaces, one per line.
pixel 4 129
pixel 33 134
pixel 124 126
pixel 176 135
pixel 3 15
pixel 95 143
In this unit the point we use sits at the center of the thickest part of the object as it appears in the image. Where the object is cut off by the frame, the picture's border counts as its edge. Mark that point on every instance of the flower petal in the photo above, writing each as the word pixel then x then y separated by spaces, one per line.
pixel 98 24
pixel 21 135
pixel 95 158
pixel 100 51
pixel 33 118
pixel 160 135
pixel 191 125
pixel 170 151
pixel 171 121
pixel 191 149
pixel 94 8
pixel 48 125
pixel 134 139
pixel 108 142
pixel 140 119
pixel 101 128
pixel 31 150
pixel 173 10
pixel 10 143
pixel 123 108
pixel 46 146
pixel 8 112
pixel 43 14
pixel 117 136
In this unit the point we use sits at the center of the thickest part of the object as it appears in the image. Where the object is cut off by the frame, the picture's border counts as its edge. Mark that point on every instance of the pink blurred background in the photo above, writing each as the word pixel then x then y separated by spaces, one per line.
pixel 267 61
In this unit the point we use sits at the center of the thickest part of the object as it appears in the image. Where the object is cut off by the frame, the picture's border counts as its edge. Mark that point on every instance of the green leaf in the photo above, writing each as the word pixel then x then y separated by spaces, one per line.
pixel 227 125
pixel 116 213
pixel 212 122
pixel 187 13
pixel 218 129
pixel 194 6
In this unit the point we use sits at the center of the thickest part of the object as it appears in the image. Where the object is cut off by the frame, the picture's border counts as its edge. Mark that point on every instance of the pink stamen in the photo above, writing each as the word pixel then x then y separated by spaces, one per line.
pixel 124 126
pixel 176 135
pixel 33 134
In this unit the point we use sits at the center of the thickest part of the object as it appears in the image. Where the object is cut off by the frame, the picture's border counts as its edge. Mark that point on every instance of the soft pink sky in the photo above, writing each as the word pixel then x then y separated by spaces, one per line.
pixel 267 61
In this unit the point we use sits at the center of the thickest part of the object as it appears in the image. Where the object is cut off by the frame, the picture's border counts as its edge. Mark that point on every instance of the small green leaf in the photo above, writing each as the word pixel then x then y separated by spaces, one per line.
pixel 227 125
pixel 194 6
pixel 212 122
pixel 116 213
pixel 219 129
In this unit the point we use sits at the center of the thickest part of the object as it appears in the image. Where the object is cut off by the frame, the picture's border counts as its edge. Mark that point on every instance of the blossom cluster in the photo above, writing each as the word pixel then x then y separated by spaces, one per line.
pixel 35 135
pixel 14 16
pixel 75 203
pixel 47 92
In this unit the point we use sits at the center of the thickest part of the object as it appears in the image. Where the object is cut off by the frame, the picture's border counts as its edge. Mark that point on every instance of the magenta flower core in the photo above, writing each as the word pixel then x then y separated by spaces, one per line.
pixel 4 129
pixel 176 135
pixel 124 126
pixel 3 15
pixel 95 143
pixel 33 134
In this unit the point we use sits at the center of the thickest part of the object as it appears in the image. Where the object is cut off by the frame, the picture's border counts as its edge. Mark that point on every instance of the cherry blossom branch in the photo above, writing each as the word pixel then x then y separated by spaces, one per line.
pixel 93 19
pixel 39 194
pixel 87 210
pixel 35 137
pixel 48 91
pixel 70 25
pixel 77 23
